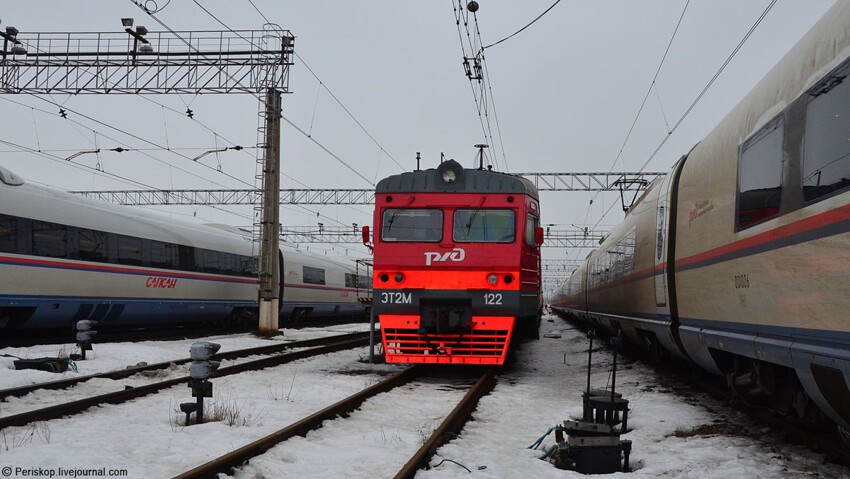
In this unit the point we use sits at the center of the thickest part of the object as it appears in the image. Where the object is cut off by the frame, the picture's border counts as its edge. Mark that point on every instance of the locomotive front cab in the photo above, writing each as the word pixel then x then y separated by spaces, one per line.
pixel 456 267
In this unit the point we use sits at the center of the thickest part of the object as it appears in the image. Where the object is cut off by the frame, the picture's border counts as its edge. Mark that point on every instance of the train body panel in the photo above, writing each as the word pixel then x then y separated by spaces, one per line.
pixel 329 287
pixel 757 272
pixel 64 259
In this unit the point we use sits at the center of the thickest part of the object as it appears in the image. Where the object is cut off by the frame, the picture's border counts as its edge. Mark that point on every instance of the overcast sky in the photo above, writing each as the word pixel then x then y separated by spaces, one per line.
pixel 566 91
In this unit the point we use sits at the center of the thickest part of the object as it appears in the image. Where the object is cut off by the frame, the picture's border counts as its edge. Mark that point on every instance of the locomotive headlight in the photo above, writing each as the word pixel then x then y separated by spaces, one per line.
pixel 492 278
pixel 450 172
pixel 449 175
pixel 399 277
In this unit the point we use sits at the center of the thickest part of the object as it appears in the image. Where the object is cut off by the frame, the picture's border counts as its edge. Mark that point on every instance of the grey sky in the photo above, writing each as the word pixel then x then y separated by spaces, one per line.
pixel 566 92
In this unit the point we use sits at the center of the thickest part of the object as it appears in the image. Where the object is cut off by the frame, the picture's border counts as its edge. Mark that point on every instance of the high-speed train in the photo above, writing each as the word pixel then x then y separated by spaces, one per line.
pixel 739 259
pixel 64 258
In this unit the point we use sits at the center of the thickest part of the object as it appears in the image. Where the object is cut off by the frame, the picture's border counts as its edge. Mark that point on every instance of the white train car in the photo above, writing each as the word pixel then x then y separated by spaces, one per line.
pixel 739 260
pixel 318 286
pixel 65 259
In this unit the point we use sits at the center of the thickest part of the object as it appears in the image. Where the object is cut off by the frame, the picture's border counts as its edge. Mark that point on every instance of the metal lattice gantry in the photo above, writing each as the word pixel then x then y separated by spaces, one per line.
pixel 137 61
pixel 322 234
pixel 352 234
pixel 141 62
pixel 563 267
pixel 206 197
pixel 611 181
pixel 573 239
pixel 230 197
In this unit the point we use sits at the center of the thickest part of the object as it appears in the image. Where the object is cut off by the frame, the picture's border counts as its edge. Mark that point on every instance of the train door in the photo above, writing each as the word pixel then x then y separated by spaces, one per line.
pixel 663 238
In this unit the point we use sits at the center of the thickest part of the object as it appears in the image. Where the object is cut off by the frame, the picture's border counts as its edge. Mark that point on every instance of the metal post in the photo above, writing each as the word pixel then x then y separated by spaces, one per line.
pixel 481 147
pixel 589 358
pixel 269 268
pixel 371 335
pixel 199 414
pixel 616 341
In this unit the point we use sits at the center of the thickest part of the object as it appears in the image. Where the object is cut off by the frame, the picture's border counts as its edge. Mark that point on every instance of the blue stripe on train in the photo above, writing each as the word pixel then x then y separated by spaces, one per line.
pixel 60 312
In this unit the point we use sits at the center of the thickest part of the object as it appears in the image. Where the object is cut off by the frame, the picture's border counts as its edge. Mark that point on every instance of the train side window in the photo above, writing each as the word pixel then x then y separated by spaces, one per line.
pixel 531 224
pixel 164 255
pixel 412 225
pixel 8 234
pixel 228 263
pixel 186 258
pixel 129 250
pixel 49 239
pixel 484 226
pixel 247 266
pixel 826 151
pixel 207 261
pixel 92 245
pixel 760 176
pixel 357 281
pixel 313 275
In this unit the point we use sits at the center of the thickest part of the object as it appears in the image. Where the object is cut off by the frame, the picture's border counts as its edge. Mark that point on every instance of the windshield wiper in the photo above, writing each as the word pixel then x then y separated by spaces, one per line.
pixel 472 218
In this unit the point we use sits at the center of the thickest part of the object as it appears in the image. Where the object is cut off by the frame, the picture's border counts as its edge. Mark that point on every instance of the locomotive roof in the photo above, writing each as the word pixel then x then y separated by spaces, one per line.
pixel 469 181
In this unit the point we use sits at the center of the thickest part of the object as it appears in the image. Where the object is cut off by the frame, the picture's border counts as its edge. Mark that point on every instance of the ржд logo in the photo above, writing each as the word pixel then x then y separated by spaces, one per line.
pixel 457 254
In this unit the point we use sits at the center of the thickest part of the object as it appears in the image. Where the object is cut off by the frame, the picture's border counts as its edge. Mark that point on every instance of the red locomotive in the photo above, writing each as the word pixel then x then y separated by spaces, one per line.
pixel 456 264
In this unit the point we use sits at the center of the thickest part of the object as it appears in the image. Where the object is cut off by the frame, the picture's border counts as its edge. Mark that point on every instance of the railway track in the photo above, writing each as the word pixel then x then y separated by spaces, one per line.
pixel 313 347
pixel 23 339
pixel 27 339
pixel 447 430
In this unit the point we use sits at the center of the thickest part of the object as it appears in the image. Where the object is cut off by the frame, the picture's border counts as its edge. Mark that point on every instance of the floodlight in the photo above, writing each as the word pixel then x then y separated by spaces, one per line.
pixel 127 22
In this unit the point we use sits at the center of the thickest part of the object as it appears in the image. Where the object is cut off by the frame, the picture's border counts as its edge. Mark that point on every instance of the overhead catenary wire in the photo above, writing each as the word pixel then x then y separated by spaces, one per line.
pixel 79 166
pixel 324 86
pixel 496 118
pixel 523 28
pixel 219 135
pixel 652 85
pixel 97 170
pixel 98 138
pixel 479 76
pixel 170 30
pixel 316 76
pixel 703 92
pixel 63 113
pixel 299 129
pixel 144 140
pixel 143 151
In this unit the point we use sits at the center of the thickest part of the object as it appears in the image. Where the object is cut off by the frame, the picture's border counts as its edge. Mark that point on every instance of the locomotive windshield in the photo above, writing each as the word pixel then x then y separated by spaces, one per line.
pixel 412 225
pixel 484 226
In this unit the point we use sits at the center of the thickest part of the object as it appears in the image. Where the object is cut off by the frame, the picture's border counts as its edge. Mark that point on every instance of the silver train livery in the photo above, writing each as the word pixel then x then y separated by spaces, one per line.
pixel 64 258
pixel 739 259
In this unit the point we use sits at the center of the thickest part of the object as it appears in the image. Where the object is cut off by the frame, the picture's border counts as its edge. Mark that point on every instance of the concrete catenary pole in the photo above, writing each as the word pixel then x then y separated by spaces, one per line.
pixel 270 231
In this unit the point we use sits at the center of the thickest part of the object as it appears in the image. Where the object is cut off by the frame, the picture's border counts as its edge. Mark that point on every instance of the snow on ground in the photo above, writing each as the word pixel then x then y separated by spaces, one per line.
pixel 114 356
pixel 675 434
pixel 542 389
